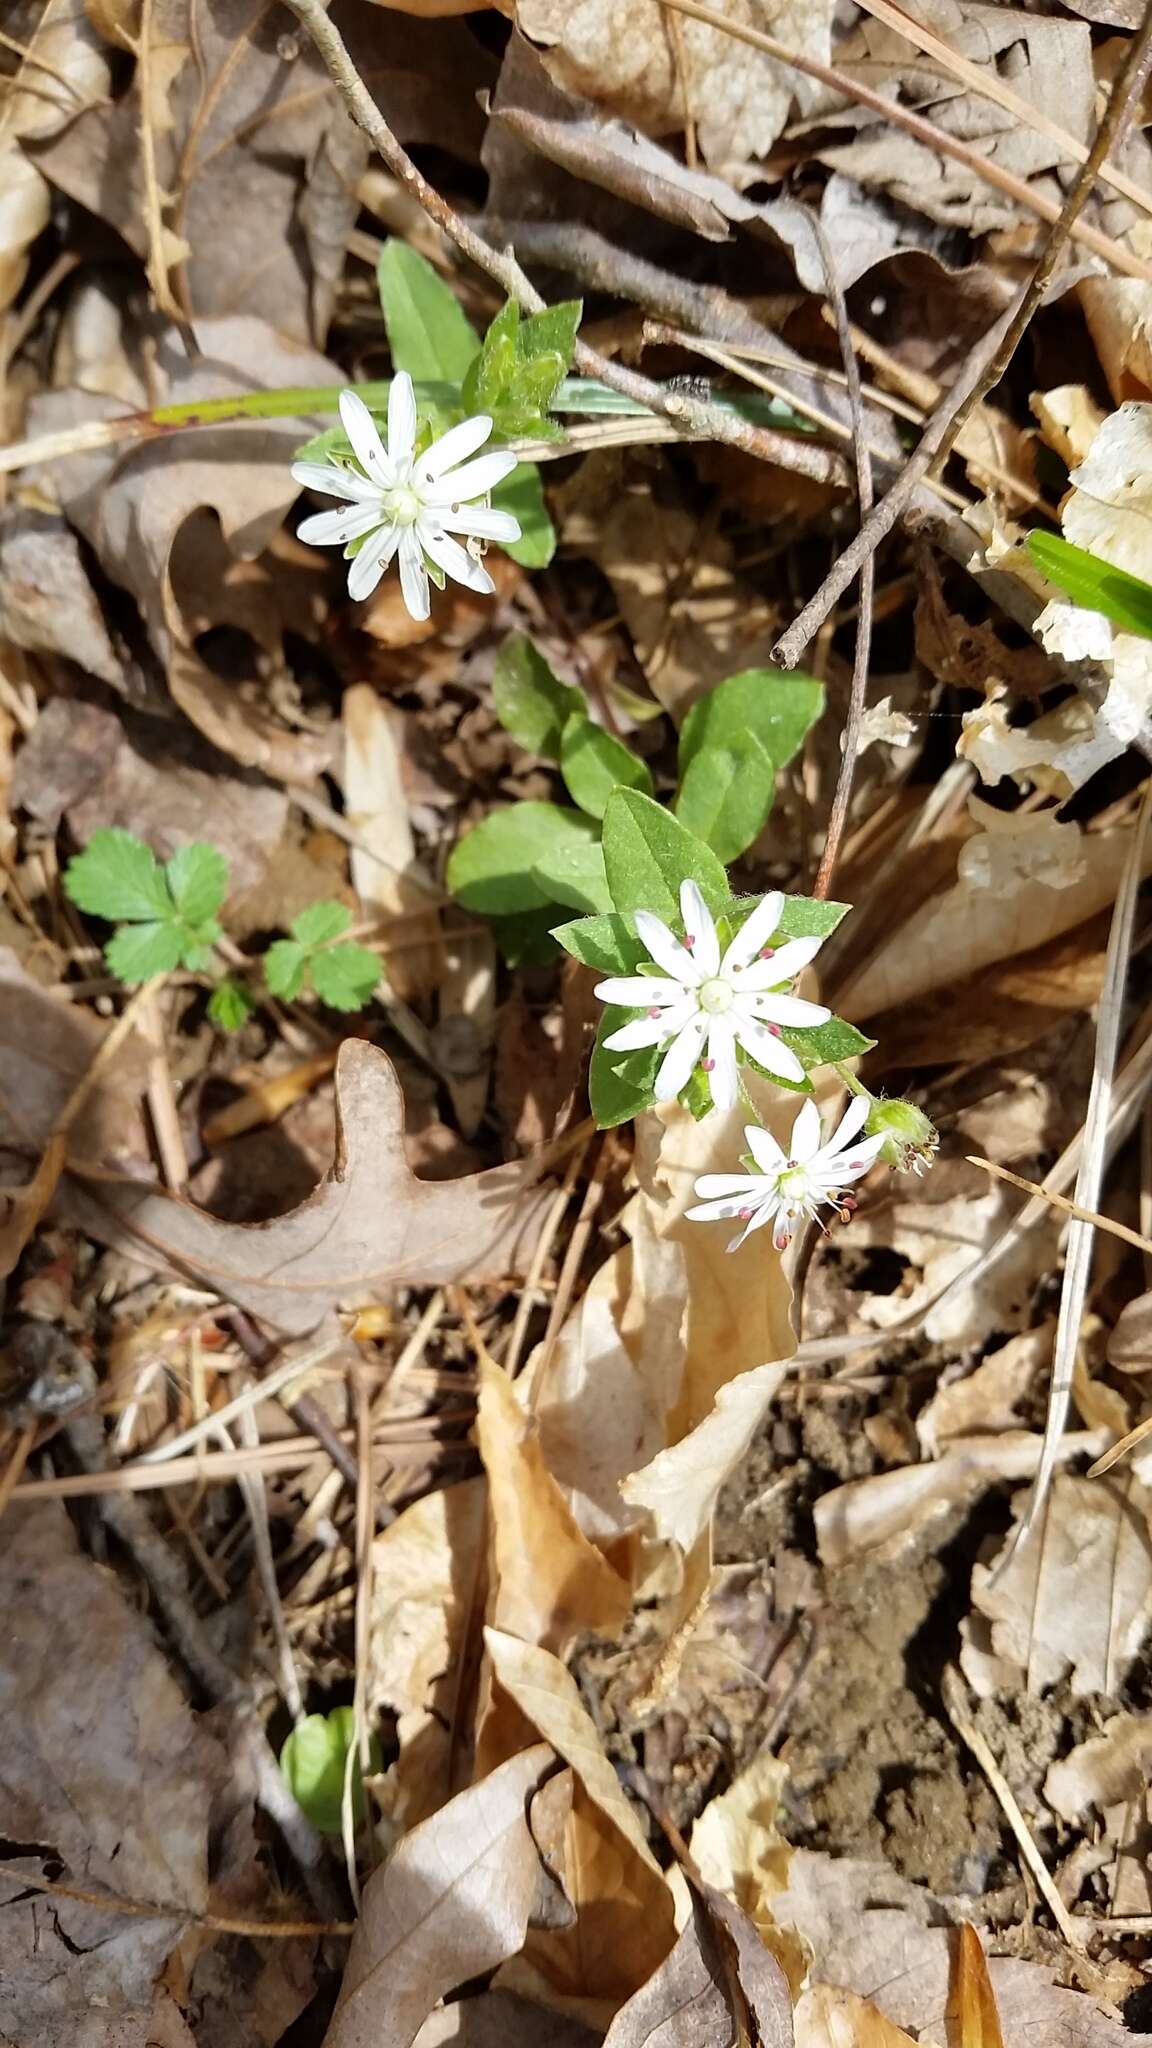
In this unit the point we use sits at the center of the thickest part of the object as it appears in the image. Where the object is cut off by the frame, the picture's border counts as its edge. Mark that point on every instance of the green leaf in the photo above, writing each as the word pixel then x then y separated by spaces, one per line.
pixel 648 853
pixel 344 976
pixel 198 879
pixel 230 1005
pixel 608 943
pixel 530 701
pixel 490 868
pixel 428 333
pixel 118 876
pixel 321 922
pixel 574 875
pixel 620 1083
pixel 594 763
pixel 284 966
pixel 491 371
pixel 525 939
pixel 314 1763
pixel 777 708
pixel 552 332
pixel 802 917
pixel 1089 581
pixel 727 793
pixel 138 951
pixel 835 1040
pixel 522 494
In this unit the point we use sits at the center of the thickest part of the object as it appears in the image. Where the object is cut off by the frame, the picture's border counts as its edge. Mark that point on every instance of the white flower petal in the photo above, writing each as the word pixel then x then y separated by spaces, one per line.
pixel 768 1155
pixel 783 965
pixel 854 1116
pixel 366 568
pixel 666 950
pixel 748 1186
pixel 483 522
pixel 770 1052
pixel 848 1165
pixel 700 931
pixel 335 529
pixel 454 446
pixel 335 482
pixel 712 1212
pixel 790 1010
pixel 754 932
pixel 723 1079
pixel 367 446
pixel 675 1069
pixel 638 991
pixel 413 575
pixel 401 422
pixel 641 1031
pixel 806 1133
pixel 453 559
pixel 756 1221
pixel 474 480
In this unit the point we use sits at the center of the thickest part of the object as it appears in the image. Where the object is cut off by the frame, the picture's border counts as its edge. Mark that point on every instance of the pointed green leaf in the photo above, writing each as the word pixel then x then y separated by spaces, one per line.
pixel 118 876
pixel 594 763
pixel 620 1083
pixel 574 875
pixel 198 879
pixel 1089 581
pixel 835 1040
pixel 491 867
pixel 428 332
pixel 491 371
pixel 230 1005
pixel 802 917
pixel 552 332
pixel 608 943
pixel 777 708
pixel 314 1761
pixel 648 853
pixel 531 702
pixel 727 793
pixel 522 494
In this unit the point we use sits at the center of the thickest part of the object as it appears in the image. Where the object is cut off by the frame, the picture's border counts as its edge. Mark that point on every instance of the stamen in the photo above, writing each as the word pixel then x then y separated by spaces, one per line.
pixel 743 1214
pixel 655 1011
pixel 707 1066
pixel 773 1029
pixel 781 1240
pixel 767 952
pixel 689 940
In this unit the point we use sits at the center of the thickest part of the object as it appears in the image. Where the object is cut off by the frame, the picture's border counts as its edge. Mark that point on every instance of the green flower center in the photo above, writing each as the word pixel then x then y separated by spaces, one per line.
pixel 716 996
pixel 793 1181
pixel 402 505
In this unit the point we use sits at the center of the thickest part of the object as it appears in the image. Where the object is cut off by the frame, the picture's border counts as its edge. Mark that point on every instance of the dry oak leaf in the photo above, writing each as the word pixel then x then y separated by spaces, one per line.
pixel 687 2002
pixel 64 69
pixel 629 63
pixel 453 1901
pixel 369 1226
pixel 106 1767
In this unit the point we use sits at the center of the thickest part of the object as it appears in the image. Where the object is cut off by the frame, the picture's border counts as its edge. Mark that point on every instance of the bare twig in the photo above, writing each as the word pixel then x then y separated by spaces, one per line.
pixel 1055 1201
pixel 850 740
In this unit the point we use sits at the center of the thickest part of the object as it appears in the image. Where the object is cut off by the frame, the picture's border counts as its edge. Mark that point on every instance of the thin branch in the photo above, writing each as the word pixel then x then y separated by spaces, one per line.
pixel 838 816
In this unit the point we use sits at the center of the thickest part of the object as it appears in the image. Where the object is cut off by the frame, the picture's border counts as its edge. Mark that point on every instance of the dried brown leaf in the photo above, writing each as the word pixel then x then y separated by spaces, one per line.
pixel 738 1848
pixel 875 1934
pixel 1108 1769
pixel 1073 1602
pixel 739 98
pixel 63 69
pixel 686 2003
pixel 624 1927
pixel 827 2017
pixel 105 1766
pixel 47 603
pixel 549 1584
pixel 498 2019
pixel 454 1900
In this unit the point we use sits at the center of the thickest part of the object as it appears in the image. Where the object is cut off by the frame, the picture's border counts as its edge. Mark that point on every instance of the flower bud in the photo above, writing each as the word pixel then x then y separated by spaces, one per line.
pixel 910 1140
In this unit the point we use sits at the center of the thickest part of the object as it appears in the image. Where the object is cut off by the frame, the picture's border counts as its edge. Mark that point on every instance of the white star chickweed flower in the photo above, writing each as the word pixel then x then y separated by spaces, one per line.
pixel 786 1187
pixel 699 1000
pixel 409 505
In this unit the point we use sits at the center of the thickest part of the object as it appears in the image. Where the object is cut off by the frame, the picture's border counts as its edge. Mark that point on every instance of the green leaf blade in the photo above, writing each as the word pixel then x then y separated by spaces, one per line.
pixel 609 943
pixel 522 494
pixel 1094 583
pixel 345 977
pixel 648 853
pixel 284 966
pixel 726 795
pixel 490 868
pixel 530 700
pixel 620 1084
pixel 117 876
pixel 778 708
pixel 594 763
pixel 428 332
pixel 574 875
pixel 320 922
pixel 138 951
pixel 198 879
